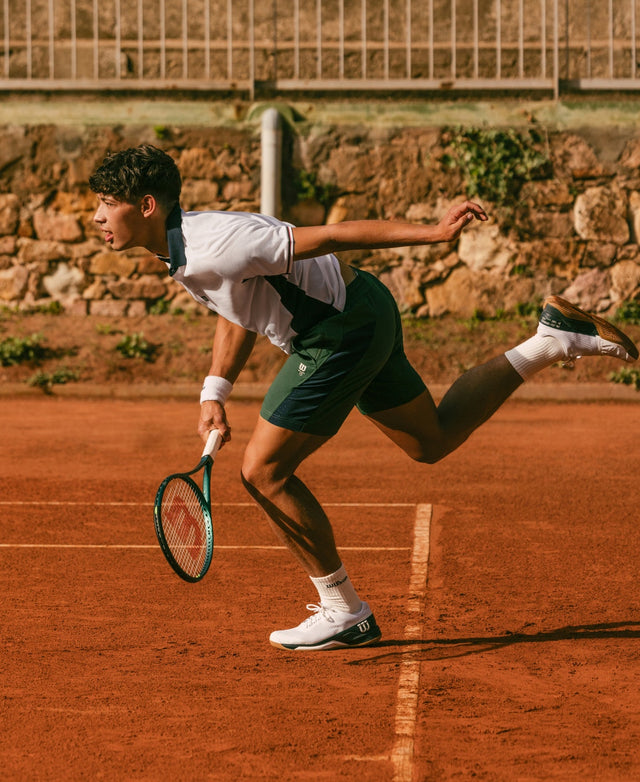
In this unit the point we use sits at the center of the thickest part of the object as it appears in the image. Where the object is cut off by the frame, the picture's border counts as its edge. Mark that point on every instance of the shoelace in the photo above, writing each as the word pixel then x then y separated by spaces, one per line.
pixel 319 612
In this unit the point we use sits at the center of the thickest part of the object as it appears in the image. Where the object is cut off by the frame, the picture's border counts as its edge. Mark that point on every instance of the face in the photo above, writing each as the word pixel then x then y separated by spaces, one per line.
pixel 123 225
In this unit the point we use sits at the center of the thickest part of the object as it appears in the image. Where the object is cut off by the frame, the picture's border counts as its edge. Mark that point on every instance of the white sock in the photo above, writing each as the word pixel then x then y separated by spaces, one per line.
pixel 535 354
pixel 337 591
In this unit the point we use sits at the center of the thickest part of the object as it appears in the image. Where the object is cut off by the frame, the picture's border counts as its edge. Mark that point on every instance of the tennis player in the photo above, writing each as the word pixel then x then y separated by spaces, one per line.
pixel 341 330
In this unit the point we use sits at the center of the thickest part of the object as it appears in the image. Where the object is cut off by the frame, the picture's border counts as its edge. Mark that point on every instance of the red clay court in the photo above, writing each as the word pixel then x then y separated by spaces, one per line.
pixel 504 580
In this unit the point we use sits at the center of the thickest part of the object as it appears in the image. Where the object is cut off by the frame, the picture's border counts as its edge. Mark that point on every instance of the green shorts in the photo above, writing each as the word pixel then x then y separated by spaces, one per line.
pixel 353 358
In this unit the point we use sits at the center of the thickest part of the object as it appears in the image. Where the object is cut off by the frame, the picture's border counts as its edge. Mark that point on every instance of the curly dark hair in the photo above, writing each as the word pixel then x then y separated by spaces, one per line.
pixel 132 173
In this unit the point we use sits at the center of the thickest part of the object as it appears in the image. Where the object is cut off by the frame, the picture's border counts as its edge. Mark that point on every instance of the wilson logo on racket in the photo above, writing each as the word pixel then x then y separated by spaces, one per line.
pixel 185 528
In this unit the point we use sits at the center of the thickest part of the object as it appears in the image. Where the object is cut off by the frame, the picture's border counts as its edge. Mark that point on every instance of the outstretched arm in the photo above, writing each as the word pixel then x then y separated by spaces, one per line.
pixel 378 234
pixel 232 346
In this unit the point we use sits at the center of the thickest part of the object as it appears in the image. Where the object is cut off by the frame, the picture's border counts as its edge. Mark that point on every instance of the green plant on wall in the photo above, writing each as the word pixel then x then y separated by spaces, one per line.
pixel 136 346
pixel 307 187
pixel 629 312
pixel 45 380
pixel 18 350
pixel 495 163
pixel 628 376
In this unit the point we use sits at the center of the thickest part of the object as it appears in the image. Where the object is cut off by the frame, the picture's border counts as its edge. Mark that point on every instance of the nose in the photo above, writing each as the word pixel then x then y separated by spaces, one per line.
pixel 98 216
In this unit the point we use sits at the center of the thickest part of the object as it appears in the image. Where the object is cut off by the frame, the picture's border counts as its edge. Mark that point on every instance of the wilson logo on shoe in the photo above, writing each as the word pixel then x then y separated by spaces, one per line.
pixel 364 627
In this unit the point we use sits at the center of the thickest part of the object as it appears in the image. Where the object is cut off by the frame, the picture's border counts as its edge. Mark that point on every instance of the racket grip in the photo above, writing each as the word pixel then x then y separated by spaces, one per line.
pixel 213 443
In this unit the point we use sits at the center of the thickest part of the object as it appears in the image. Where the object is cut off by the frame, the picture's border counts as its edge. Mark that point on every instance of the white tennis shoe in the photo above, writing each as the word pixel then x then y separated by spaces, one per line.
pixel 329 628
pixel 583 334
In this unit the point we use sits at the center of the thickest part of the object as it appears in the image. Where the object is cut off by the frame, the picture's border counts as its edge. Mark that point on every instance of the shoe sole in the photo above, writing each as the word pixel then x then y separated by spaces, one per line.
pixel 583 320
pixel 350 638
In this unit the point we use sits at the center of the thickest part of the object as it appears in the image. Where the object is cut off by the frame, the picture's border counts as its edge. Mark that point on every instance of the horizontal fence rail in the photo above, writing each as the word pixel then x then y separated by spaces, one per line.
pixel 322 45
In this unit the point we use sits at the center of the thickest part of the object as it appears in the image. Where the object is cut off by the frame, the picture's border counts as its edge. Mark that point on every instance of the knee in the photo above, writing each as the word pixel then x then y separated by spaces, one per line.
pixel 256 487
pixel 259 479
pixel 252 477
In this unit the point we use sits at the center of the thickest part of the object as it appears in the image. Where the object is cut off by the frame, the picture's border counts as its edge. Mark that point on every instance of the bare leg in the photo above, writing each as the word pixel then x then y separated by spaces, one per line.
pixel 428 433
pixel 271 458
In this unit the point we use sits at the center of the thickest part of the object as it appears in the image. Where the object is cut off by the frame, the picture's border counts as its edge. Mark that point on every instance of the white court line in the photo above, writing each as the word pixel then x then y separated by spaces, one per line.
pixel 57 503
pixel 155 546
pixel 215 504
pixel 409 680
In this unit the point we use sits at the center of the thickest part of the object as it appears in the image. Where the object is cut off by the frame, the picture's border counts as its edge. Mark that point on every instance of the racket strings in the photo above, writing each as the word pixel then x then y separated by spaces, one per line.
pixel 184 526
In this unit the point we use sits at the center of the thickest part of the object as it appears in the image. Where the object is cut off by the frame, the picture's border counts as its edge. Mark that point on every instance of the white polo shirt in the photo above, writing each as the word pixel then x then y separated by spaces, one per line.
pixel 241 266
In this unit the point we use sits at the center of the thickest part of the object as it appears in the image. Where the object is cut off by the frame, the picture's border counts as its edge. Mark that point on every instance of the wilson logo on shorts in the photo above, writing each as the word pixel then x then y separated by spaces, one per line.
pixel 302 368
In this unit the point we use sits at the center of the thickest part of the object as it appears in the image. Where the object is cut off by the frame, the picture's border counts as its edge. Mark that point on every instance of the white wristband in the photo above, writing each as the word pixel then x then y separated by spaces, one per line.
pixel 215 389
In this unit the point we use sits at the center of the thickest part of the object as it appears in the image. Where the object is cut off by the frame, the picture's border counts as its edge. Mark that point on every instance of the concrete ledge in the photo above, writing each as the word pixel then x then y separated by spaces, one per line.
pixel 532 392
pixel 404 111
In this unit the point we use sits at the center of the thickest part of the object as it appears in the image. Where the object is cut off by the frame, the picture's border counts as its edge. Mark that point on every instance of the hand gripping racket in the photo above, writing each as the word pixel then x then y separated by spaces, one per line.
pixel 182 517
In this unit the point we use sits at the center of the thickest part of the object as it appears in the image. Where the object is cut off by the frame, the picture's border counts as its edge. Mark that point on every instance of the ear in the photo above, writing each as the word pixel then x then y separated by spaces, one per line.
pixel 149 206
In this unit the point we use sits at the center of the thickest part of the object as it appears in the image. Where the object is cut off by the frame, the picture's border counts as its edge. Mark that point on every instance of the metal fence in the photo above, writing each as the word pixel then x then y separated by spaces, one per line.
pixel 318 45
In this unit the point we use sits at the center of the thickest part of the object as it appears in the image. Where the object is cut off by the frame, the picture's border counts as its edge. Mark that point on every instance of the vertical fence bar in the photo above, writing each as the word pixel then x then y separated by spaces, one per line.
pixel 589 44
pixel 363 17
pixel 185 40
pixel 556 49
pixel 229 39
pixel 319 39
pixel 140 26
pixel 409 38
pixel 454 64
pixel 74 42
pixel 566 39
pixel 611 39
pixel 118 39
pixel 543 38
pixel 28 36
pixel 431 40
pixel 163 40
pixel 274 43
pixel 633 39
pixel 207 39
pixel 476 68
pixel 296 39
pixel 521 39
pixel 498 39
pixel 386 40
pixel 7 42
pixel 252 48
pixel 96 41
pixel 52 38
pixel 51 42
pixel 341 39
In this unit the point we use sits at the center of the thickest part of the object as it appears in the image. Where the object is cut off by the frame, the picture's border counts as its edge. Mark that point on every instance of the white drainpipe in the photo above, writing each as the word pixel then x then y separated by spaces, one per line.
pixel 270 186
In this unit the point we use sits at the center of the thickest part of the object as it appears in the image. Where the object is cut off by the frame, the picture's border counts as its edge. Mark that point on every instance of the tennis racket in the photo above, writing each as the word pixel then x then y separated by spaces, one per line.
pixel 182 516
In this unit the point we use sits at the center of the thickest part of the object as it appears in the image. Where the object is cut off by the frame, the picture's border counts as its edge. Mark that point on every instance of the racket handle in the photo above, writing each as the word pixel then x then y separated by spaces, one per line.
pixel 213 443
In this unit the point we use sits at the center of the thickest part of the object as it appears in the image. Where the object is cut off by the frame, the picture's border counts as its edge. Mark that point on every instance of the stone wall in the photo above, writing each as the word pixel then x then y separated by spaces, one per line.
pixel 574 232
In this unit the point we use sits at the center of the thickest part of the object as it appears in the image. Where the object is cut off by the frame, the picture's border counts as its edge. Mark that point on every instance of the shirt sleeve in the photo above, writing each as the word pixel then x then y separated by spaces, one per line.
pixel 242 245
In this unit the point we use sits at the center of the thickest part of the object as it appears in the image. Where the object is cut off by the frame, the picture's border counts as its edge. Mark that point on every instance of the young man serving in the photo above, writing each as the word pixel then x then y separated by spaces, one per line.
pixel 341 330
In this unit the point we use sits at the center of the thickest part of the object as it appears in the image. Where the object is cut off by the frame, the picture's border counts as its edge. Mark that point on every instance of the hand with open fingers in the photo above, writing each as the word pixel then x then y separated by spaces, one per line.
pixel 459 216
pixel 213 416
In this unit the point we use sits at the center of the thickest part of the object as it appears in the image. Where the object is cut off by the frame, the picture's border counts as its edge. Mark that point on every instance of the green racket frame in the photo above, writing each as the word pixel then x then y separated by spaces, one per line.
pixel 203 498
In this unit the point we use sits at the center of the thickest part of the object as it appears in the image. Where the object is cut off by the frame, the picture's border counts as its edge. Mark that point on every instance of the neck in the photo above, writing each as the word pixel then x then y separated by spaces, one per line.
pixel 158 243
pixel 158 246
